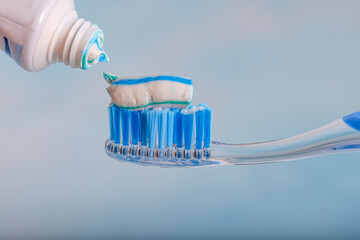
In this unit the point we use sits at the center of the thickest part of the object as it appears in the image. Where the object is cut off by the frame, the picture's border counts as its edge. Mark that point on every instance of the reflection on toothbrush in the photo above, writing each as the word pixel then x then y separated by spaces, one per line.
pixel 170 136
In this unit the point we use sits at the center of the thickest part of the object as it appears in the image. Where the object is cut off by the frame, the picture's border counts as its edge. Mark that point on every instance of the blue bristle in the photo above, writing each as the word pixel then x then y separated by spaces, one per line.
pixel 111 122
pixel 207 126
pixel 188 125
pixel 170 128
pixel 125 122
pixel 162 129
pixel 143 128
pixel 200 120
pixel 152 122
pixel 175 126
pixel 135 127
pixel 178 129
pixel 116 123
pixel 156 128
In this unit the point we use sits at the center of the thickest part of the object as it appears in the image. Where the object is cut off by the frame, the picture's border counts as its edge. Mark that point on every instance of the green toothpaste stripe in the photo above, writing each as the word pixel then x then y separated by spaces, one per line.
pixel 158 103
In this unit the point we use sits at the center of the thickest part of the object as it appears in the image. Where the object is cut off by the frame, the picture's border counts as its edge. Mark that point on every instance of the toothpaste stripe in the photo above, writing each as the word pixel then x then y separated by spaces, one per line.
pixel 151 79
pixel 7 47
pixel 158 103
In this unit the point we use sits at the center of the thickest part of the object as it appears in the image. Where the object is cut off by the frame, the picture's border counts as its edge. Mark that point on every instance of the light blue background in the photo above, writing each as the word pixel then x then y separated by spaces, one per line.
pixel 270 69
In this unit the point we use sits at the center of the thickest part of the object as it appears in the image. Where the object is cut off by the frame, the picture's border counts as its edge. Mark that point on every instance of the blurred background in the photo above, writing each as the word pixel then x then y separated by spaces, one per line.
pixel 270 69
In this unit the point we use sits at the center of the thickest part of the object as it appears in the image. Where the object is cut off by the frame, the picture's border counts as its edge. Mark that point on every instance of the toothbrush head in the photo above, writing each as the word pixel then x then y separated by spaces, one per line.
pixel 165 137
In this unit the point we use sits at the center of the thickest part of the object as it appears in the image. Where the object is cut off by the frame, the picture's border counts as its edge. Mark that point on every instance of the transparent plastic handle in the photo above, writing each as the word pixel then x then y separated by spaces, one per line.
pixel 335 137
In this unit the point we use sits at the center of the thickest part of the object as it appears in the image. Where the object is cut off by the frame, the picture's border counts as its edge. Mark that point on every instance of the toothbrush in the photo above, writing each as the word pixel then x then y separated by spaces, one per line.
pixel 171 137
pixel 152 124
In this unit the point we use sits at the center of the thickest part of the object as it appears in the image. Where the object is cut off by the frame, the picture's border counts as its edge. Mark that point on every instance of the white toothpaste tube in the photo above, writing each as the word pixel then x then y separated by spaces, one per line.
pixel 38 33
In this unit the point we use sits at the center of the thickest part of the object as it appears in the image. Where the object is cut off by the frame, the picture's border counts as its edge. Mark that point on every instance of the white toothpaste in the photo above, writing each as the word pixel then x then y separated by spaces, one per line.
pixel 150 91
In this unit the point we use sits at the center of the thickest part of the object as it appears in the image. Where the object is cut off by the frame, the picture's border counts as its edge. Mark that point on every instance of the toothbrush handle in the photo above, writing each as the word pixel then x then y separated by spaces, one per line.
pixel 339 136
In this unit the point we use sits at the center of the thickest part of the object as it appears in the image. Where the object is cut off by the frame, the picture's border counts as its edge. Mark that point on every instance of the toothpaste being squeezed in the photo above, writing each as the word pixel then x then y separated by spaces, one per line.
pixel 94 53
pixel 150 91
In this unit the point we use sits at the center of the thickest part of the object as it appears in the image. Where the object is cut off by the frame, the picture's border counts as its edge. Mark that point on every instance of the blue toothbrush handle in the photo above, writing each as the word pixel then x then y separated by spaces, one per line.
pixel 342 135
pixel 353 120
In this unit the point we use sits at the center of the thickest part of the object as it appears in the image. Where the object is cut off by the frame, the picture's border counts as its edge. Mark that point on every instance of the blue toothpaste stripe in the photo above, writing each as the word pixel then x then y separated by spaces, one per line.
pixel 7 47
pixel 151 79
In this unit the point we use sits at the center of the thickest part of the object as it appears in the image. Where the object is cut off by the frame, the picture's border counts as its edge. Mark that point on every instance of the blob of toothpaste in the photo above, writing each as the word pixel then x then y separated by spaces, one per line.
pixel 150 91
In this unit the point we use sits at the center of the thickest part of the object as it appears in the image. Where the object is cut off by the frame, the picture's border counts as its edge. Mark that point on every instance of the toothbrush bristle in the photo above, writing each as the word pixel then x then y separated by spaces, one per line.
pixel 207 126
pixel 200 120
pixel 114 114
pixel 178 129
pixel 124 116
pixel 170 128
pixel 143 129
pixel 162 129
pixel 111 122
pixel 161 132
pixel 135 127
pixel 188 125
pixel 152 125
